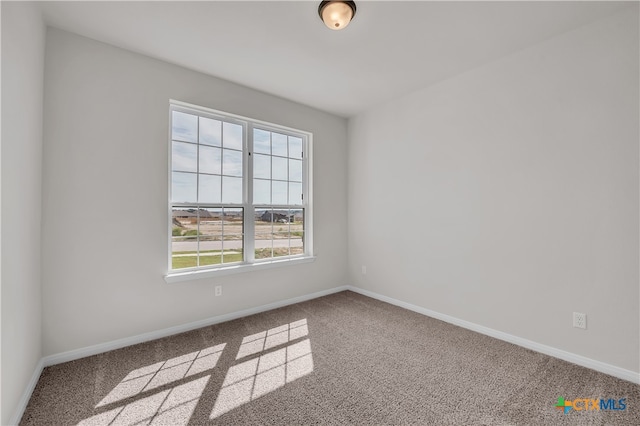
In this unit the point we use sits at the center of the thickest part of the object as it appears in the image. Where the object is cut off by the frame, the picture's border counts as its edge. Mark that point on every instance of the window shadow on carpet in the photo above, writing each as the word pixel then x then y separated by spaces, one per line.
pixel 167 392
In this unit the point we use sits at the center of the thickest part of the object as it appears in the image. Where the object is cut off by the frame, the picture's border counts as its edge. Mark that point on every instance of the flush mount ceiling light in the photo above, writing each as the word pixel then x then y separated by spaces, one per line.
pixel 337 14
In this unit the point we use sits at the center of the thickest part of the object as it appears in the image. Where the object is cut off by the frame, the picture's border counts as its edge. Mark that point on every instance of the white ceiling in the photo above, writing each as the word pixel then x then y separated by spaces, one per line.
pixel 390 48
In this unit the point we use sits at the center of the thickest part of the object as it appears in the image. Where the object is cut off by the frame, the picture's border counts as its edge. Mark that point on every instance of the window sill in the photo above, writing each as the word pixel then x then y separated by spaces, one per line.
pixel 176 277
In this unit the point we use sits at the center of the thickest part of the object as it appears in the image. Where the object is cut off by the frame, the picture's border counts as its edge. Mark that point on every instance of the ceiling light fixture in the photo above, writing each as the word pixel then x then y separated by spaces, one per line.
pixel 337 14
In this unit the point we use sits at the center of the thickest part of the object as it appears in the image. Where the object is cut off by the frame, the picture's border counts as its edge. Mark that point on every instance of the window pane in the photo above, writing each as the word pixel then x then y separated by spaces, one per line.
pixel 295 147
pixel 261 141
pixel 263 234
pixel 233 225
pixel 234 216
pixel 184 252
pixel 210 132
pixel 232 136
pixel 295 170
pixel 296 247
pixel 183 157
pixel 184 240
pixel 280 170
pixel 263 220
pixel 210 159
pixel 231 163
pixel 209 189
pixel 279 194
pixel 183 220
pixel 231 190
pixel 184 127
pixel 210 226
pixel 232 248
pixel 295 193
pixel 263 246
pixel 281 241
pixel 261 191
pixel 296 229
pixel 276 216
pixel 210 257
pixel 210 235
pixel 183 187
pixel 279 144
pixel 180 217
pixel 262 166
pixel 278 233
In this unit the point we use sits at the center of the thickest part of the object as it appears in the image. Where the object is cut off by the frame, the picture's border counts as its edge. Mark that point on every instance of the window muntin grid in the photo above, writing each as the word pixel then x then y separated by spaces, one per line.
pixel 224 164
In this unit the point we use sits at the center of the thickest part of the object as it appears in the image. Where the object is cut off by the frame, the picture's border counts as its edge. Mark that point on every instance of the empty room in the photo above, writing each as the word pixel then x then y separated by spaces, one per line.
pixel 320 212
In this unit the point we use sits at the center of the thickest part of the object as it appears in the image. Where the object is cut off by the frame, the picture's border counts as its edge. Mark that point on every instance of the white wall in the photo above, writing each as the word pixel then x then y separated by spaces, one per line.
pixel 105 196
pixel 508 196
pixel 23 44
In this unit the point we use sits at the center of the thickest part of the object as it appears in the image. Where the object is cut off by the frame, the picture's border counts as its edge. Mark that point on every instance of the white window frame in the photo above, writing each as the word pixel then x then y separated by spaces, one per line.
pixel 249 263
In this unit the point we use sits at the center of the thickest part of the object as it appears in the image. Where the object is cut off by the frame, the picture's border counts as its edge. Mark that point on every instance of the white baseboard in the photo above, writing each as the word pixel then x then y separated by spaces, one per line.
pixel 26 395
pixel 602 367
pixel 140 338
pixel 592 364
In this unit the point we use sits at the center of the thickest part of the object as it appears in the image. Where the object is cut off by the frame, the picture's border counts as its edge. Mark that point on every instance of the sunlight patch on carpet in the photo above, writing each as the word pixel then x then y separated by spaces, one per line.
pixel 273 337
pixel 162 373
pixel 256 377
pixel 169 407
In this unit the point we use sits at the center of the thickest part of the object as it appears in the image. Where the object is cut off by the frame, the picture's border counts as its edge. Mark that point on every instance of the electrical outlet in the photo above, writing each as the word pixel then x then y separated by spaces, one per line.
pixel 364 270
pixel 218 291
pixel 579 320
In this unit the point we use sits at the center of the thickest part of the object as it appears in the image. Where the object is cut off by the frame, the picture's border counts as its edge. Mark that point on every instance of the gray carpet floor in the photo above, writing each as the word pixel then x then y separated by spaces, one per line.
pixel 339 359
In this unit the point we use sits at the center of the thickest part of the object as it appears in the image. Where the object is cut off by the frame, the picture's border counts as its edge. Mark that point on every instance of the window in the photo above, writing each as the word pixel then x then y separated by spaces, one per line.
pixel 239 191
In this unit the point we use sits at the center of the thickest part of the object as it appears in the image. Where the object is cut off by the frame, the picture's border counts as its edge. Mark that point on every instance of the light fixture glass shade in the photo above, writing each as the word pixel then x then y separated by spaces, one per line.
pixel 336 14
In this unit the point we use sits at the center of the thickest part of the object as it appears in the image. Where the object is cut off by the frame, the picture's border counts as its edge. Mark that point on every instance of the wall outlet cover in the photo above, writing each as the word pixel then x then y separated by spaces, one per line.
pixel 580 320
